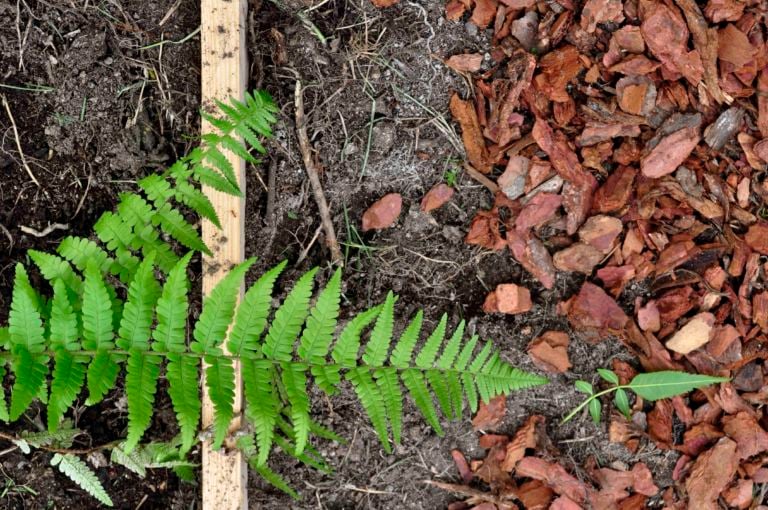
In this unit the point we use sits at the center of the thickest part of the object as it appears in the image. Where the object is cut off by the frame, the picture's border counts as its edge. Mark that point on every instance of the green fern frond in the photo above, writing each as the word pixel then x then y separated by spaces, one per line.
pixel 377 348
pixel 25 325
pixel 67 381
pixel 261 404
pixel 288 320
pixel 174 224
pixel 81 251
pixel 403 351
pixel 197 201
pixel 218 309
pixel 251 318
pixel 220 381
pixel 138 312
pixel 4 416
pixel 79 472
pixel 30 371
pixel 63 324
pixel 53 267
pixel 182 373
pixel 294 380
pixel 140 388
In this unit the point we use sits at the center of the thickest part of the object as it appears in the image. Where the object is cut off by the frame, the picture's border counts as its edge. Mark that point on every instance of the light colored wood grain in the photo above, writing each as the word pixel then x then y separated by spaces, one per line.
pixel 224 75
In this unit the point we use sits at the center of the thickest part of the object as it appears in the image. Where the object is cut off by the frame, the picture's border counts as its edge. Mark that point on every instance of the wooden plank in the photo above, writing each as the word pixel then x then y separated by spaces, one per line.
pixel 224 75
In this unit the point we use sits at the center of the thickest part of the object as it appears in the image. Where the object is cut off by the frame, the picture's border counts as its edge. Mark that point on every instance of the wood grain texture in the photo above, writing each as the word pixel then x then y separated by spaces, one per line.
pixel 224 75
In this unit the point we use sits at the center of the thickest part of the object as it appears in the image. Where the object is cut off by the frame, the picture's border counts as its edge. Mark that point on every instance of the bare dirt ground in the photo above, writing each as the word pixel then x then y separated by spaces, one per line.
pixel 377 101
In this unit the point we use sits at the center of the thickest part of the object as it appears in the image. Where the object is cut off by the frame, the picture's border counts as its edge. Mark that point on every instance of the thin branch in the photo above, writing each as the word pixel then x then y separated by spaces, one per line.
pixel 479 177
pixel 18 140
pixel 314 179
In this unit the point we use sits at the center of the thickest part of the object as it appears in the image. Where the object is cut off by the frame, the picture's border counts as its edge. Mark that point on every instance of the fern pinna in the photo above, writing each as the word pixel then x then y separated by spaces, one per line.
pixel 120 304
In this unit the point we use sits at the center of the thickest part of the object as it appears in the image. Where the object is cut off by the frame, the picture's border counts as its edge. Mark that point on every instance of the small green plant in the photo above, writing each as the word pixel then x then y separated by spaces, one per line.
pixel 121 305
pixel 650 386
pixel 451 176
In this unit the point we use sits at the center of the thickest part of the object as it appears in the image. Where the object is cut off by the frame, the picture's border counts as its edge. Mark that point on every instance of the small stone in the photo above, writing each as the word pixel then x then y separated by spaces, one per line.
pixel 508 298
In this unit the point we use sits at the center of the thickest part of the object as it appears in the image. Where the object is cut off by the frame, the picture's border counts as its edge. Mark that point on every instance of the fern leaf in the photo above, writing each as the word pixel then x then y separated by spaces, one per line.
pixel 25 326
pixel 403 351
pixel 140 388
pixel 321 323
pixel 30 371
pixel 389 384
pixel 138 311
pixel 413 379
pixel 79 472
pixel 156 187
pixel 220 381
pixel 348 344
pixel 439 386
pixel 80 251
pixel 102 375
pixel 171 310
pixel 289 319
pixel 211 178
pixel 378 346
pixel 251 317
pixel 97 311
pixel 218 309
pixel 219 161
pixel 368 393
pixel 182 373
pixel 197 201
pixel 275 480
pixel 236 148
pixel 4 416
pixel 63 323
pixel 54 267
pixel 68 379
pixel 428 353
pixel 174 224
pixel 294 380
pixel 261 404
pixel 451 349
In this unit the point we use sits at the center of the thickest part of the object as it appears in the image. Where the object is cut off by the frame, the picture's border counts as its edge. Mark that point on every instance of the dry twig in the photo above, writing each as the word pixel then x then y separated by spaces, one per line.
pixel 47 230
pixel 18 140
pixel 314 179
pixel 479 177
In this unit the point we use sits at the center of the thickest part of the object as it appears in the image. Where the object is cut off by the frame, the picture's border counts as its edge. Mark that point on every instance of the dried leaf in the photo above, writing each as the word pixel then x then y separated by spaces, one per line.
pixel 526 437
pixel 383 213
pixel 462 465
pixel 436 197
pixel 555 476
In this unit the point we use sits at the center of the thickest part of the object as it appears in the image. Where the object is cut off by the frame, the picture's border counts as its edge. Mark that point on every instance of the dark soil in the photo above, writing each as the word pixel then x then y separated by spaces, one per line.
pixel 376 94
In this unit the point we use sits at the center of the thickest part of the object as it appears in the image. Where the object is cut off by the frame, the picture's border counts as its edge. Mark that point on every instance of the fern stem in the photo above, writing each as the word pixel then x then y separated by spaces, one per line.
pixel 73 451
pixel 8 356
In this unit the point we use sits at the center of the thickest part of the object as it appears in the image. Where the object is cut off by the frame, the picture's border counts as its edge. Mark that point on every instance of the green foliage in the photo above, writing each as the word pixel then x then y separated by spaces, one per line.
pixel 650 386
pixel 120 306
pixel 79 472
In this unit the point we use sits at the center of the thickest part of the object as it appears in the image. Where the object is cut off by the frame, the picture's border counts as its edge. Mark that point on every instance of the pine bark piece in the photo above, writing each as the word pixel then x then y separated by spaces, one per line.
pixel 666 35
pixel 696 333
pixel 614 194
pixel 705 40
pixel 670 153
pixel 465 114
pixel 636 95
pixel 711 474
pixel 600 232
pixel 383 213
pixel 550 352
pixel 436 197
pixel 508 298
pixel 579 258
pixel 757 237
pixel 595 314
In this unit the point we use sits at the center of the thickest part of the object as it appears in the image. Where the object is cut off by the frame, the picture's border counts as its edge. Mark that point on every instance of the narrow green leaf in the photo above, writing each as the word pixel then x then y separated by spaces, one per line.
pixel 584 387
pixel 140 388
pixel 666 384
pixel 138 311
pixel 378 346
pixel 220 381
pixel 608 375
pixel 182 373
pixel 595 410
pixel 170 332
pixel 288 320
pixel 68 379
pixel 428 353
pixel 622 403
pixel 318 331
pixel 295 382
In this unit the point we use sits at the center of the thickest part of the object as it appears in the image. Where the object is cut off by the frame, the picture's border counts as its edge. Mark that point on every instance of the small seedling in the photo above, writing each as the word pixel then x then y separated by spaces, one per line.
pixel 451 177
pixel 651 386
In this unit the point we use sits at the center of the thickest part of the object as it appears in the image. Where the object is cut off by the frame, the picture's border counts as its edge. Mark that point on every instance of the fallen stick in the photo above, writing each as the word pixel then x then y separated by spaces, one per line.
pixel 18 141
pixel 479 177
pixel 47 230
pixel 314 179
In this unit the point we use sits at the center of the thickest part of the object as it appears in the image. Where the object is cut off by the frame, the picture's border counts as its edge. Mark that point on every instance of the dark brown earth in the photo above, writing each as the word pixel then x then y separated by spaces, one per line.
pixel 376 94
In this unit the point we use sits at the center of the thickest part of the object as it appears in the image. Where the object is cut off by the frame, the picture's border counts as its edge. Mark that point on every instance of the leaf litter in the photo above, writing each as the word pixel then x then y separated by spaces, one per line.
pixel 626 141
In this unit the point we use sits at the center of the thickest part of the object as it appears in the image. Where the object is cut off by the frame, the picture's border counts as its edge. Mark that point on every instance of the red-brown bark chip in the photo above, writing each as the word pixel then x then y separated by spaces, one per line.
pixel 670 153
pixel 711 474
pixel 757 237
pixel 383 213
pixel 436 197
pixel 614 194
pixel 595 314
pixel 578 257
pixel 508 298
pixel 550 352
pixel 750 437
